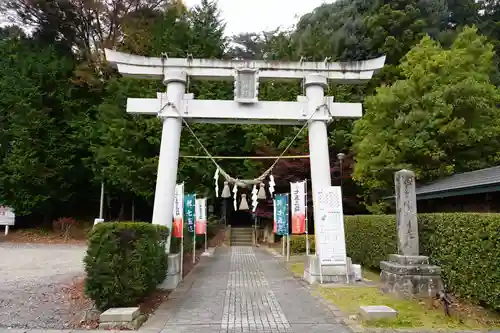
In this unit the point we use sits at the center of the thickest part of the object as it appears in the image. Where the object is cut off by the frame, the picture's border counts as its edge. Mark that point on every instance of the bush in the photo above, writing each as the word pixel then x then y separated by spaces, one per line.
pixel 125 261
pixel 370 238
pixel 465 245
pixel 64 226
pixel 298 244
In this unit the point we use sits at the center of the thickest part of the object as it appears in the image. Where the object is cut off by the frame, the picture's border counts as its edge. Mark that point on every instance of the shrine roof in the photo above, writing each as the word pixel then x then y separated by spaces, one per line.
pixel 478 181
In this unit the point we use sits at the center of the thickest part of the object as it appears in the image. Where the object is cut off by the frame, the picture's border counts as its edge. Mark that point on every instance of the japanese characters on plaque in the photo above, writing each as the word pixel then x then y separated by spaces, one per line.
pixel 281 202
pixel 189 211
pixel 330 226
pixel 298 197
pixel 246 85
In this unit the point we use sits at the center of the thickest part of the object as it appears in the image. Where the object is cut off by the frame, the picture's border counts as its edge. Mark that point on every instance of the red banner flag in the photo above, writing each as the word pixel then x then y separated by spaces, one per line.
pixel 177 232
pixel 201 227
pixel 298 224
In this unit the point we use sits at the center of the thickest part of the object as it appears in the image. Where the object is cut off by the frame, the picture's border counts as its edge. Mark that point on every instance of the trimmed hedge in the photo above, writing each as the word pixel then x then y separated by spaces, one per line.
pixel 125 261
pixel 298 244
pixel 465 245
pixel 370 238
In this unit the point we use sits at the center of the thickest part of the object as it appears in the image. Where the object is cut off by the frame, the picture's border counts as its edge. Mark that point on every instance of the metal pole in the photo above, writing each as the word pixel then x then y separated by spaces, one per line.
pixel 307 221
pixel 341 173
pixel 194 234
pixel 133 210
pixel 288 247
pixel 287 228
pixel 101 206
pixel 182 251
pixel 283 245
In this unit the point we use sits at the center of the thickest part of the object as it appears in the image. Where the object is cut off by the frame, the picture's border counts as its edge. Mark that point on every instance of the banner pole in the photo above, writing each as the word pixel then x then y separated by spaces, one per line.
pixel 283 245
pixel 182 253
pixel 288 248
pixel 194 247
pixel 206 245
pixel 287 227
pixel 307 221
pixel 194 234
pixel 181 190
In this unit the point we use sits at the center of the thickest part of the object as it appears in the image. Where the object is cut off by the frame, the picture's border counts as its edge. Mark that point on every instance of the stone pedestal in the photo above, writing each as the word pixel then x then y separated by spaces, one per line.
pixel 408 276
pixel 173 273
pixel 331 274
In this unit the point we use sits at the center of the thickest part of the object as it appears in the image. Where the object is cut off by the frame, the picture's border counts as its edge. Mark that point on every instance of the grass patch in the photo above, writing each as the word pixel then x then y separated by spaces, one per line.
pixel 297 268
pixel 371 275
pixel 411 313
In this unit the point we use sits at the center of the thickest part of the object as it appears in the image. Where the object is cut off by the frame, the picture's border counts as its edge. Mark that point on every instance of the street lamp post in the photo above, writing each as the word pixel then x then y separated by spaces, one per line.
pixel 341 157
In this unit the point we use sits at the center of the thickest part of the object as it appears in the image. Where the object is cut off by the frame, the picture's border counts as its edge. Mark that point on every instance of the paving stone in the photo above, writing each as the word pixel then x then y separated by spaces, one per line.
pixel 242 289
pixel 377 312
pixel 119 314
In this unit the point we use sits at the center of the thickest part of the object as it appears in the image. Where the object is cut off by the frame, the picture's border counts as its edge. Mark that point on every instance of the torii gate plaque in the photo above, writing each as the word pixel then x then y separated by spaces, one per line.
pixel 245 109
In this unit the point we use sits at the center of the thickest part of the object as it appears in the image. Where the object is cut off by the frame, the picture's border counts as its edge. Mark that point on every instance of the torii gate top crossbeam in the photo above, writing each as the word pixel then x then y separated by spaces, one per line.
pixel 155 68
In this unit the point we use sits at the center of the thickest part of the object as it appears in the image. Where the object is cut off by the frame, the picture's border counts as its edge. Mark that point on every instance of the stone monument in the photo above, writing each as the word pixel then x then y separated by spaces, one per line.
pixel 407 273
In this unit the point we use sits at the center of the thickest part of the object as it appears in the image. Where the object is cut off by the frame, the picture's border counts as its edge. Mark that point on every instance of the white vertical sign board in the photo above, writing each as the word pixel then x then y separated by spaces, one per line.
pixel 330 227
pixel 197 210
pixel 203 209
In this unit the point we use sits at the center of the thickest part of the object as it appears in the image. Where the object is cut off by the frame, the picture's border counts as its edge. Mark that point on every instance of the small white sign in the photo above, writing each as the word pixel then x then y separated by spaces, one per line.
pixel 98 220
pixel 7 216
pixel 330 226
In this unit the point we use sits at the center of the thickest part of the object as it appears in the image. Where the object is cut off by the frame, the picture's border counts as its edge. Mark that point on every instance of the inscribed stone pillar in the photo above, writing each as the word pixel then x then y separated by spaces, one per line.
pixel 407 274
pixel 406 213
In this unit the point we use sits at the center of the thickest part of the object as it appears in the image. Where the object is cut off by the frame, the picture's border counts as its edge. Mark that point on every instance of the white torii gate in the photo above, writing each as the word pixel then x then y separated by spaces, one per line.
pixel 175 104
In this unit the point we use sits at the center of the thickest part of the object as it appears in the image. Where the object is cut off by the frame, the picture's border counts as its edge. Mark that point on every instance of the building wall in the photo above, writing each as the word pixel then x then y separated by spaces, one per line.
pixel 477 203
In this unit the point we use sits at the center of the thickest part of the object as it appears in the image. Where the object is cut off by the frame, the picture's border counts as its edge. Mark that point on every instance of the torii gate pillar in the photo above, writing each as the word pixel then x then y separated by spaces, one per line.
pixel 318 135
pixel 168 160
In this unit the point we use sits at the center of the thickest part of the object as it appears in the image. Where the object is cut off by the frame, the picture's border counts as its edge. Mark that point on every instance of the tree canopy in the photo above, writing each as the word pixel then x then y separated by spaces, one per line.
pixel 64 129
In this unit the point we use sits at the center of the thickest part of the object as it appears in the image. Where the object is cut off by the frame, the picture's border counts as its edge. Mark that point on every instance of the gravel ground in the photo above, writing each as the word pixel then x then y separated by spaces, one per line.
pixel 31 282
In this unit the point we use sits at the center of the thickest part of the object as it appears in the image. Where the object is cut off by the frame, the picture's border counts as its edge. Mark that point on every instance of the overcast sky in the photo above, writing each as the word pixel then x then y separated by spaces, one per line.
pixel 261 15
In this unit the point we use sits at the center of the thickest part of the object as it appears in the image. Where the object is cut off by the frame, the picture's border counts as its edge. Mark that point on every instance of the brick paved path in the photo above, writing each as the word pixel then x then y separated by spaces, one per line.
pixel 245 290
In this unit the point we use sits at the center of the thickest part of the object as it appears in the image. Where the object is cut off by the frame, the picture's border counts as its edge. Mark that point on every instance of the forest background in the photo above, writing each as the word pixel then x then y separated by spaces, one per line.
pixel 64 130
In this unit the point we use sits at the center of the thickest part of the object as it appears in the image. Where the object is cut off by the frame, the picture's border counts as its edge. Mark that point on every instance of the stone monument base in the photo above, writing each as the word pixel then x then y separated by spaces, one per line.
pixel 173 272
pixel 409 276
pixel 330 274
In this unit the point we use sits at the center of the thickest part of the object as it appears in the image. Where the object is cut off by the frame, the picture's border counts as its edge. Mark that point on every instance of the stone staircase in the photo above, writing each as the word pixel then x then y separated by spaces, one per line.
pixel 241 236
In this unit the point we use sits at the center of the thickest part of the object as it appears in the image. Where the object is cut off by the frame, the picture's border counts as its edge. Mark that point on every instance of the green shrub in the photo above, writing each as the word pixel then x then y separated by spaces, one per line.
pixel 465 245
pixel 125 261
pixel 298 244
pixel 370 238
